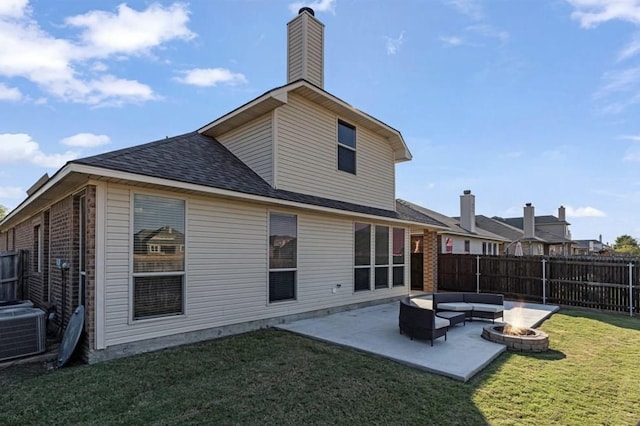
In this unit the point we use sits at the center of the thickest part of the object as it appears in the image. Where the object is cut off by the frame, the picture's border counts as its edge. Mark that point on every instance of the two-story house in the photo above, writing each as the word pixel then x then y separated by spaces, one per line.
pixel 537 235
pixel 283 208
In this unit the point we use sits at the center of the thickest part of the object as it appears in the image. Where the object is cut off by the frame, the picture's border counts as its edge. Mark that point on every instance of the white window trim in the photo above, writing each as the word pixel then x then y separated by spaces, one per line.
pixel 350 148
pixel 133 275
pixel 403 264
pixel 372 258
pixel 269 269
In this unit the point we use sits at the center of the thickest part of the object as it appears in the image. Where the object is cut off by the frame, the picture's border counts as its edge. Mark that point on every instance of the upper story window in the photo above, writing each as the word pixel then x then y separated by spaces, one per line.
pixel 346 147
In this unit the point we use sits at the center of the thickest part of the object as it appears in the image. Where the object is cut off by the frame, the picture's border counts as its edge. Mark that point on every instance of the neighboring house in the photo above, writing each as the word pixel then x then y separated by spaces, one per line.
pixel 461 235
pixel 538 235
pixel 591 247
pixel 283 208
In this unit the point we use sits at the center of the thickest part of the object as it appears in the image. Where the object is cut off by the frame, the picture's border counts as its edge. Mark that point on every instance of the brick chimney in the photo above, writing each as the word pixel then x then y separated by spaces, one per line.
pixel 562 216
pixel 305 48
pixel 529 221
pixel 468 211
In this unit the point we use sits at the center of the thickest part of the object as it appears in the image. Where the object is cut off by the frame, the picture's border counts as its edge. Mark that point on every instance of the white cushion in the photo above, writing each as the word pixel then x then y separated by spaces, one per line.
pixel 455 306
pixel 441 322
pixel 485 307
pixel 422 303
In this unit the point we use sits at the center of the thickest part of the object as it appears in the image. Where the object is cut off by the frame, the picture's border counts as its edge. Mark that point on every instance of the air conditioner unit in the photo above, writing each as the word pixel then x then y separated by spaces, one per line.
pixel 15 305
pixel 22 332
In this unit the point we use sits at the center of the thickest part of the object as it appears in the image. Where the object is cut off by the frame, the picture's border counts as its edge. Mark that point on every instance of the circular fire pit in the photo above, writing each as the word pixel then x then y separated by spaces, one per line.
pixel 519 340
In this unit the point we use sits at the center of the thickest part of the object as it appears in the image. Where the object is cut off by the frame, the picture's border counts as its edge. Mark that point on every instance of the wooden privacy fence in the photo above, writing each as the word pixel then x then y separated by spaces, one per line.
pixel 611 284
pixel 12 265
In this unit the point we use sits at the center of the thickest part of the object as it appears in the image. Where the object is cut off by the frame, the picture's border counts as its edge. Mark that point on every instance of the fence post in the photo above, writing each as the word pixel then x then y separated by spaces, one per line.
pixel 544 281
pixel 477 274
pixel 630 289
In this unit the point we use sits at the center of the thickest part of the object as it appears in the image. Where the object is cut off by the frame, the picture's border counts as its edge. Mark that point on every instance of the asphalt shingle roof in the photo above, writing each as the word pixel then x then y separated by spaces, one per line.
pixel 201 160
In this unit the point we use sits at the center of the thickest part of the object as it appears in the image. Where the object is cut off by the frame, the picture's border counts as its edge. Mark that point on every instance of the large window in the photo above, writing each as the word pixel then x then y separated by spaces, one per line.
pixel 283 256
pixel 382 257
pixel 362 272
pixel 158 261
pixel 398 257
pixel 379 256
pixel 346 147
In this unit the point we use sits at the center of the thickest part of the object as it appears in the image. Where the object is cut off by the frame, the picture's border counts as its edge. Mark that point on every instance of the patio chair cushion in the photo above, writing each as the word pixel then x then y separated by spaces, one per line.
pixel 455 306
pixel 441 322
pixel 422 303
pixel 484 307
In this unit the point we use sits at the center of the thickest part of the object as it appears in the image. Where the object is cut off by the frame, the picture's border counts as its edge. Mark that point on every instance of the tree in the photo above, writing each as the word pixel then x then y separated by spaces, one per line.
pixel 626 244
pixel 3 211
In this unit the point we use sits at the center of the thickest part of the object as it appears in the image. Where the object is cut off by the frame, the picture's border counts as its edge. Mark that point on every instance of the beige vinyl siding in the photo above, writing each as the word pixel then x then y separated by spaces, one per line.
pixel 252 144
pixel 306 161
pixel 227 267
pixel 295 54
pixel 305 50
pixel 117 255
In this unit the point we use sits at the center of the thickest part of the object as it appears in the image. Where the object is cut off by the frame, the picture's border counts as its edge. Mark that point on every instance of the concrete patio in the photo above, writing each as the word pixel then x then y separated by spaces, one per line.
pixel 375 329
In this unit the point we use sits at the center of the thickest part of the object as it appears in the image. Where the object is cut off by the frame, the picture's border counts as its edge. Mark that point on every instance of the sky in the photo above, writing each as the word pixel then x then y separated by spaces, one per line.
pixel 527 101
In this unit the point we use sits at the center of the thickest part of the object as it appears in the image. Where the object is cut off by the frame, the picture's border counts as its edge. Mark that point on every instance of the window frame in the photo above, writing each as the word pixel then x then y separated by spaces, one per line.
pixel 362 266
pixel 346 146
pixel 376 265
pixel 382 261
pixel 271 270
pixel 395 265
pixel 133 275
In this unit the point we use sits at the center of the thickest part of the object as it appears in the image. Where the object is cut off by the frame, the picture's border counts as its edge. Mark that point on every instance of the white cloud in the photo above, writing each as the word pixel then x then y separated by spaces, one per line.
pixel 591 13
pixel 11 192
pixel 633 153
pixel 584 212
pixel 513 154
pixel 129 31
pixel 20 147
pixel 86 140
pixel 620 90
pixel 557 154
pixel 631 49
pixel 210 77
pixel 393 44
pixel 489 32
pixel 9 93
pixel 470 8
pixel 13 8
pixel 58 65
pixel 317 6
pixel 451 41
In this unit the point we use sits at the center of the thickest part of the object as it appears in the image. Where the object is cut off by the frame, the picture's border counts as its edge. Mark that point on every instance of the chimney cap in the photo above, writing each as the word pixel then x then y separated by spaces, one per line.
pixel 466 192
pixel 528 204
pixel 306 9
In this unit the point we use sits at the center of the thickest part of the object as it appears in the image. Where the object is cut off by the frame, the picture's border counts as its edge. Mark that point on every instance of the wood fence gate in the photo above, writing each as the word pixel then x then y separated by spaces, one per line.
pixel 11 275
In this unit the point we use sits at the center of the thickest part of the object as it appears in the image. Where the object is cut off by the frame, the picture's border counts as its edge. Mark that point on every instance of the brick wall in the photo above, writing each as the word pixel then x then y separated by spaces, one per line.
pixel 61 281
pixel 88 341
pixel 430 259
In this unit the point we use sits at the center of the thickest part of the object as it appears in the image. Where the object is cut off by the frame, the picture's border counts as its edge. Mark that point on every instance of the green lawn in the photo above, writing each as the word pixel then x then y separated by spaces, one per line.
pixel 590 376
